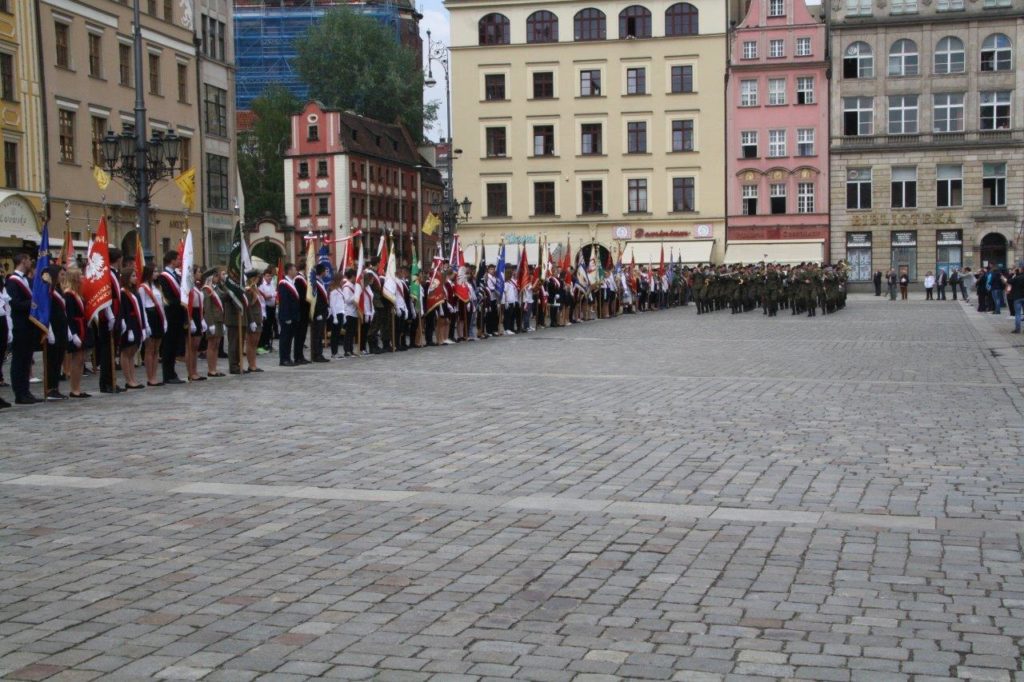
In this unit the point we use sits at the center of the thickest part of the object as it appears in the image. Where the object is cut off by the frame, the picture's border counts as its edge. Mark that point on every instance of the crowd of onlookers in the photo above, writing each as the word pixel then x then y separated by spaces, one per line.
pixel 994 288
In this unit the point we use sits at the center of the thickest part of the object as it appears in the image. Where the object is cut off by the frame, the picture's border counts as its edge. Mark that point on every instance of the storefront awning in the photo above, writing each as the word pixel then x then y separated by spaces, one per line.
pixel 18 220
pixel 58 243
pixel 777 251
pixel 690 251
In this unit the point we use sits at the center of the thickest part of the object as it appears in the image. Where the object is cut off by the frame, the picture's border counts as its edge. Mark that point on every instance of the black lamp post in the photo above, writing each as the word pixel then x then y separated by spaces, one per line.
pixel 451 212
pixel 438 52
pixel 141 163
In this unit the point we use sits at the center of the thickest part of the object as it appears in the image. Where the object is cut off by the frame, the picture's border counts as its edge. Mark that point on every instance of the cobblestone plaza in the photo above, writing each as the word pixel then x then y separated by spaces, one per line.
pixel 667 496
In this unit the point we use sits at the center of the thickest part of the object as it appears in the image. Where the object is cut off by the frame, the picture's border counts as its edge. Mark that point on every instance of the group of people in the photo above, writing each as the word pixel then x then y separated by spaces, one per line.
pixel 801 289
pixel 935 284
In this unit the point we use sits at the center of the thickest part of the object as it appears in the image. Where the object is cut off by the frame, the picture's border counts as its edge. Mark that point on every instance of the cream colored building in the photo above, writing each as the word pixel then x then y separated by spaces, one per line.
pixel 593 121
pixel 89 76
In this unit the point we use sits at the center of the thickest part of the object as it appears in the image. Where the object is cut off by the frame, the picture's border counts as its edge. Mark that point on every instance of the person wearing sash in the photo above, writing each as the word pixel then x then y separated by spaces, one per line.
pixel 511 302
pixel 336 312
pixel 173 342
pixel 268 292
pixel 288 304
pixel 133 327
pixel 153 309
pixel 349 312
pixel 25 334
pixel 318 321
pixel 196 328
pixel 254 306
pixel 78 331
pixel 56 335
pixel 110 331
pixel 302 326
pixel 213 314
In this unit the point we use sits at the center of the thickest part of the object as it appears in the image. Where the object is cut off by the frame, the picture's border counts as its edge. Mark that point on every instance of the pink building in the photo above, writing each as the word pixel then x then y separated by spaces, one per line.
pixel 777 145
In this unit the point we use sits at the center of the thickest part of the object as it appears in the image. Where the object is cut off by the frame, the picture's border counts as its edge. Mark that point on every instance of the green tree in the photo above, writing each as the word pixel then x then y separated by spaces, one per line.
pixel 354 62
pixel 261 153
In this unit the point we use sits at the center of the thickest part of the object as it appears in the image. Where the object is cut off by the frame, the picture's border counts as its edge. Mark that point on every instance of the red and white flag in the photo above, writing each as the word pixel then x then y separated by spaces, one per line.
pixel 96 289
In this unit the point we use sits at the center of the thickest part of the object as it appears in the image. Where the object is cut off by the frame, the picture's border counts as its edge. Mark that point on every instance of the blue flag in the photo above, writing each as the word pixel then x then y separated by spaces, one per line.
pixel 481 268
pixel 40 313
pixel 324 256
pixel 499 269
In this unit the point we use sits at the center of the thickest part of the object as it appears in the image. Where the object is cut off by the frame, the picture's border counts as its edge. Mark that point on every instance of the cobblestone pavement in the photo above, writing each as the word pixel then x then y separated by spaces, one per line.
pixel 660 497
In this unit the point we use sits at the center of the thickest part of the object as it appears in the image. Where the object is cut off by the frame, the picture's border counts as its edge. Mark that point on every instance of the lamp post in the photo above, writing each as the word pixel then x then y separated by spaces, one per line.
pixel 141 163
pixel 452 212
pixel 438 52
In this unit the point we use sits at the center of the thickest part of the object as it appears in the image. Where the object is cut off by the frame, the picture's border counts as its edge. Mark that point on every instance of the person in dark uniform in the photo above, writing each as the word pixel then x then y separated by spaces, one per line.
pixel 79 340
pixel 57 336
pixel 319 317
pixel 877 279
pixel 302 326
pixel 169 282
pixel 196 326
pixel 288 314
pixel 134 329
pixel 19 289
pixel 108 334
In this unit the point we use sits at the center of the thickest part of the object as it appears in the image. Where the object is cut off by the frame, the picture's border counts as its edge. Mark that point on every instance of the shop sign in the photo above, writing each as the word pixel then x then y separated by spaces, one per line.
pixel 622 232
pixel 218 221
pixel 949 238
pixel 641 233
pixel 16 213
pixel 904 239
pixel 520 238
pixel 858 239
pixel 875 218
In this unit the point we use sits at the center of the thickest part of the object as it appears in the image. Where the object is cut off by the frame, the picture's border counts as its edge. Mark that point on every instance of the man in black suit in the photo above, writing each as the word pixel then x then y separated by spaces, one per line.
pixel 302 326
pixel 109 331
pixel 174 338
pixel 26 334
pixel 877 279
pixel 319 321
pixel 289 305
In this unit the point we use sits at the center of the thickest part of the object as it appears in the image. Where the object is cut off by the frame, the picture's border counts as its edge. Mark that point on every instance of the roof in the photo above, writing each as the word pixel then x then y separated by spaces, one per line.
pixel 370 137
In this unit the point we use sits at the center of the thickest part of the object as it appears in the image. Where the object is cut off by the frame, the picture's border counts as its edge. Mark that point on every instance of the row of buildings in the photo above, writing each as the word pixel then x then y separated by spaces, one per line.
pixel 889 133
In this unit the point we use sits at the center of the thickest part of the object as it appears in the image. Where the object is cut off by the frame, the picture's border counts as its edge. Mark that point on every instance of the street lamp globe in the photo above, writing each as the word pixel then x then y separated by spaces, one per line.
pixel 466 205
pixel 111 148
pixel 172 148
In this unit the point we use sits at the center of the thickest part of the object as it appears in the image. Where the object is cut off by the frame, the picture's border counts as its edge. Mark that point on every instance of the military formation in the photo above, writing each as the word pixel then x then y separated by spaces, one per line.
pixel 802 289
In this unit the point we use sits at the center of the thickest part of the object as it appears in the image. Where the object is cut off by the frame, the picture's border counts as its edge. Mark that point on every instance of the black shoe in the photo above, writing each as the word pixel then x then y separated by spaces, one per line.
pixel 4 404
pixel 55 395
pixel 79 395
pixel 234 371
pixel 302 361
pixel 27 400
pixel 287 363
pixel 222 356
pixel 320 360
pixel 173 381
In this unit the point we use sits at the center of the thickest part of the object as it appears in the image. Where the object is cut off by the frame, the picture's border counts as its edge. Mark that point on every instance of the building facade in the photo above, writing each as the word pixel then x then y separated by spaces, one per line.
pixel 88 71
pixel 927 134
pixel 777 135
pixel 22 152
pixel 346 172
pixel 593 123
pixel 216 91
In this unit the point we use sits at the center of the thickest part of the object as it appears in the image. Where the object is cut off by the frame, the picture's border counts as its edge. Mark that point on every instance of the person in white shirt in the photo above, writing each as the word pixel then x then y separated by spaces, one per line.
pixel 511 303
pixel 349 311
pixel 526 323
pixel 268 296
pixel 929 285
pixel 336 312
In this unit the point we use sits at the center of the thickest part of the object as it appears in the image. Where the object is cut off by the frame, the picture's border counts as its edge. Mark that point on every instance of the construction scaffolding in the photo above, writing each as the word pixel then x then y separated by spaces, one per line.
pixel 266 32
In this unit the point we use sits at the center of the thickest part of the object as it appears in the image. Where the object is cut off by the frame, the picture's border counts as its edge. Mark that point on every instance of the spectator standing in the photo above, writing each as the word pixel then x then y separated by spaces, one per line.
pixel 929 286
pixel 941 282
pixel 891 281
pixel 1015 289
pixel 904 283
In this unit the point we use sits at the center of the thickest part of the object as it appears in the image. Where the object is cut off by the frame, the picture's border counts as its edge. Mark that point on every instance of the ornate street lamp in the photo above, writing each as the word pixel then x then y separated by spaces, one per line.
pixel 438 52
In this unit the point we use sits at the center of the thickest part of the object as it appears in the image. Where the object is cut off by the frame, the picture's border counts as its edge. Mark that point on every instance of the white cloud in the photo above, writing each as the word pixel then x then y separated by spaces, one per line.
pixel 435 18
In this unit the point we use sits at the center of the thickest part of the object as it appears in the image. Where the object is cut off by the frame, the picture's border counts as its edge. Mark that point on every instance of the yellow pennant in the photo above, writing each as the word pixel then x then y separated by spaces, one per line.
pixel 430 224
pixel 186 182
pixel 101 177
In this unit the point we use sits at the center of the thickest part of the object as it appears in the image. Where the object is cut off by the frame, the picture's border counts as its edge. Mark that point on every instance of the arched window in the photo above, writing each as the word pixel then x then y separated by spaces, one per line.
pixel 542 27
pixel 858 62
pixel 494 30
pixel 903 58
pixel 635 22
pixel 949 55
pixel 996 53
pixel 681 20
pixel 589 24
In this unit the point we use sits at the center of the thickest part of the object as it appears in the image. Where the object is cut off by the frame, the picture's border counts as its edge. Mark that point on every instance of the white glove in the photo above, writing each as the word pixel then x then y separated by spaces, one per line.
pixel 165 325
pixel 288 322
pixel 145 335
pixel 50 338
pixel 77 342
pixel 319 318
pixel 124 326
pixel 10 334
pixel 205 326
pixel 252 326
pixel 131 338
pixel 191 327
pixel 110 321
pixel 211 330
pixel 70 336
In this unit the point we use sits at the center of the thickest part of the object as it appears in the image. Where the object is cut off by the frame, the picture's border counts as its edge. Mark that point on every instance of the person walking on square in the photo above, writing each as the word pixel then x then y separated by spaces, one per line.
pixel 929 286
pixel 318 318
pixel 57 335
pixel 134 327
pixel 967 282
pixel 1015 289
pixel 302 326
pixel 996 286
pixel 78 328
pixel 268 292
pixel 954 281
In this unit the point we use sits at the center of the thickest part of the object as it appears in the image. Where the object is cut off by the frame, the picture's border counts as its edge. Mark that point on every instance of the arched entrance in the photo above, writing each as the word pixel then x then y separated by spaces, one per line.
pixel 128 246
pixel 993 249
pixel 603 254
pixel 267 251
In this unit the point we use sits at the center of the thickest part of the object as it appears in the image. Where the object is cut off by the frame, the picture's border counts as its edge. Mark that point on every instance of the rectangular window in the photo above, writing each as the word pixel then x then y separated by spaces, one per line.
pixel 803 47
pixel 857 116
pixel 682 79
pixel 592 195
pixel 805 142
pixel 169 10
pixel 590 83
pixel 217 181
pixel 590 140
pixel 313 133
pixel 776 91
pixel 216 104
pixel 995 110
pixel 683 195
pixel 902 114
pixel 993 184
pixel 11 165
pixel 66 124
pixel 303 169
pixel 949 186
pixel 748 144
pixel 682 135
pixel 858 188
pixel 151 7
pixel 185 153
pixel 544 140
pixel 776 48
pixel 544 198
pixel 776 143
pixel 544 85
pixel 7 77
pixel 750 49
pixel 62 38
pixel 904 187
pixel 496 142
pixel 805 197
pixel 304 206
pixel 494 87
pixel 321 168
pixel 183 83
pixel 323 206
pixel 636 137
pixel 992 4
pixel 749 199
pixel 776 8
pixel 637 195
pixel 99 130
pixel 124 64
pixel 948 113
pixel 154 74
pixel 636 81
pixel 904 6
pixel 805 90
pixel 858 8
pixel 777 198
pixel 949 5
pixel 95 56
pixel 748 93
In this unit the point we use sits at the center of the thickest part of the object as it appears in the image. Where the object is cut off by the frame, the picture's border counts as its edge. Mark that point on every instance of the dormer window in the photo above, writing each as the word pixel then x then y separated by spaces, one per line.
pixel 312 133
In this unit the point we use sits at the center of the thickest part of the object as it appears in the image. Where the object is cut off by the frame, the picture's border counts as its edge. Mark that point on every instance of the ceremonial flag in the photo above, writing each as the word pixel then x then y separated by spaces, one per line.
pixel 567 262
pixel 431 223
pixel 661 266
pixel 324 256
pixel 40 311
pixel 67 253
pixel 96 289
pixel 310 272
pixel 435 288
pixel 239 262
pixel 457 259
pixel 280 268
pixel 186 182
pixel 390 287
pixel 188 260
pixel 360 266
pixel 582 278
pixel 499 269
pixel 522 271
pixel 415 290
pixel 101 177
pixel 140 257
pixel 481 266
pixel 382 255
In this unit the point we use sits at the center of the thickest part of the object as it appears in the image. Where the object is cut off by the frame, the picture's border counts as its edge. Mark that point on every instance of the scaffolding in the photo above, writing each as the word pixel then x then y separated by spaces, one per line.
pixel 266 33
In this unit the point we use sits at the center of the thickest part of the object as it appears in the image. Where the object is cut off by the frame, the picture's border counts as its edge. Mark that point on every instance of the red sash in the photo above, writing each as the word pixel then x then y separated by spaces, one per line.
pixel 159 309
pixel 216 298
pixel 291 287
pixel 169 278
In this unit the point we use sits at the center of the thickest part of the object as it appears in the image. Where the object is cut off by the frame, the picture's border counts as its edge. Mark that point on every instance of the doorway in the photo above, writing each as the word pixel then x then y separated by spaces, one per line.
pixel 993 249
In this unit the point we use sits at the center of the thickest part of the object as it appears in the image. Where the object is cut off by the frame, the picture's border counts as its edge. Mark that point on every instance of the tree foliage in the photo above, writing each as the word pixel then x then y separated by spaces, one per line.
pixel 261 153
pixel 354 62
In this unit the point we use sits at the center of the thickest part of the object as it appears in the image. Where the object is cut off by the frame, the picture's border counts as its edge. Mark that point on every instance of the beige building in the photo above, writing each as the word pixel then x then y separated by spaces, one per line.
pixel 86 53
pixel 927 138
pixel 593 122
